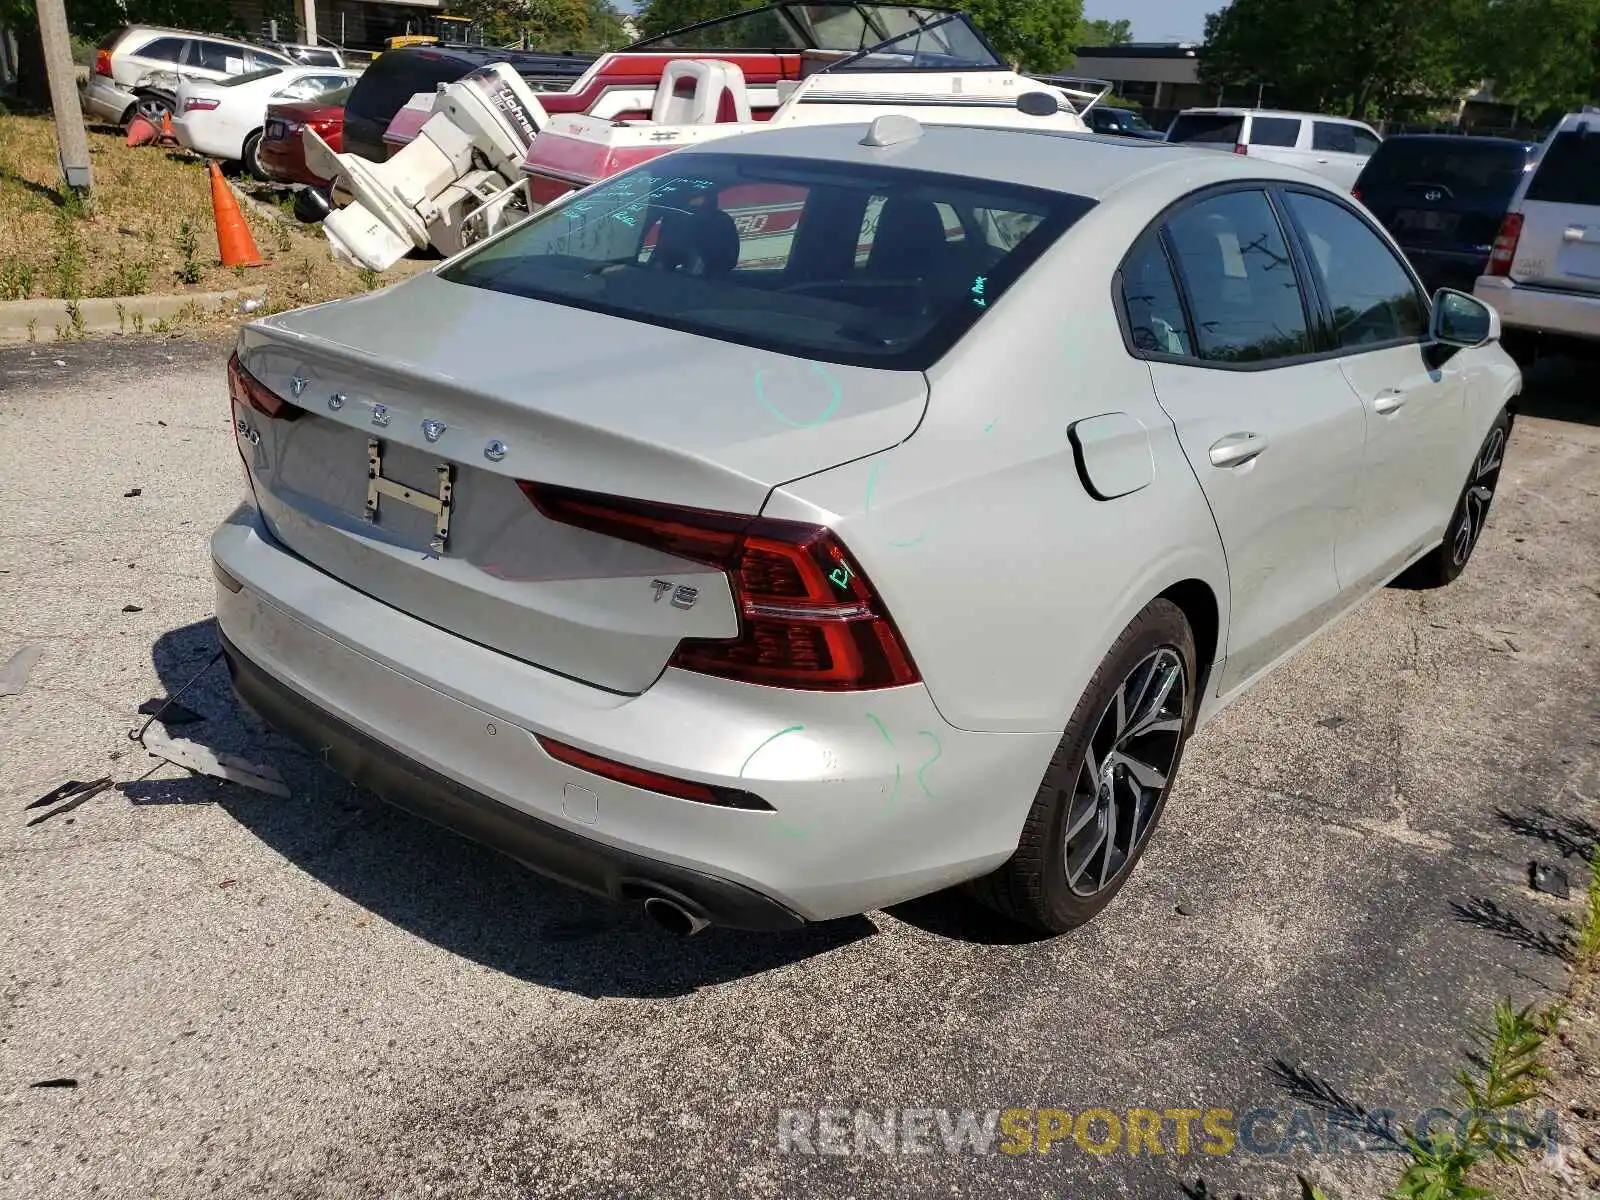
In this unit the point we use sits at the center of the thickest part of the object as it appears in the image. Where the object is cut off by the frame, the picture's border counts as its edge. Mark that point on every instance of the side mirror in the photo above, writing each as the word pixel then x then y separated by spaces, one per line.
pixel 1462 320
pixel 1038 104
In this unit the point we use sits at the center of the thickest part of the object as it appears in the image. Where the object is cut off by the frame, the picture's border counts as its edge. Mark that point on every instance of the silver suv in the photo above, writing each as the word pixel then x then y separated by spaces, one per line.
pixel 128 56
pixel 1544 272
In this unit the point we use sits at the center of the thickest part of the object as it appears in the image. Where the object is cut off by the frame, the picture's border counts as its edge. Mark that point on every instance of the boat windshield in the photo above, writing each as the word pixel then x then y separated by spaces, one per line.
pixel 879 37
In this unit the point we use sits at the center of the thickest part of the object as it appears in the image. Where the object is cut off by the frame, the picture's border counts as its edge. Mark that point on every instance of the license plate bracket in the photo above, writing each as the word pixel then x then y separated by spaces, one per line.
pixel 441 506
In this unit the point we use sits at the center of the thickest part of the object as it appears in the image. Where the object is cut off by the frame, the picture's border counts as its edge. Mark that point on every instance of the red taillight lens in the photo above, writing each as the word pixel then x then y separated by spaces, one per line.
pixel 1241 148
pixel 1505 244
pixel 249 392
pixel 102 63
pixel 199 104
pixel 652 781
pixel 1355 193
pixel 808 617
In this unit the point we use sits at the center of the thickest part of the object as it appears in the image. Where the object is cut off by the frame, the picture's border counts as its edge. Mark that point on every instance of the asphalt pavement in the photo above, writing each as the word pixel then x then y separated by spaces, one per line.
pixel 321 997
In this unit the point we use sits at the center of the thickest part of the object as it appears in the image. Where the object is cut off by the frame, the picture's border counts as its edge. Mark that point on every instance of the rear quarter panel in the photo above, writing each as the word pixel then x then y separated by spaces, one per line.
pixel 1007 578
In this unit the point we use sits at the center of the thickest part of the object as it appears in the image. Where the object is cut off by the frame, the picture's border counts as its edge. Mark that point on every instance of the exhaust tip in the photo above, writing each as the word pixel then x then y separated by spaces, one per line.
pixel 673 917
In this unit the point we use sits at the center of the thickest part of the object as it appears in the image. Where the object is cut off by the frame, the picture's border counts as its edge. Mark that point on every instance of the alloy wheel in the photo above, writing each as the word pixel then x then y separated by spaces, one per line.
pixel 1125 771
pixel 1474 510
pixel 151 109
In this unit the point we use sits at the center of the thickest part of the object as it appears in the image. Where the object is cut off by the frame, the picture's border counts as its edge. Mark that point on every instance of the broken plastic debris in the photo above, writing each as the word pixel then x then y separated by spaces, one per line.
pixel 131 608
pixel 249 306
pixel 15 673
pixel 131 492
pixel 67 797
pixel 205 761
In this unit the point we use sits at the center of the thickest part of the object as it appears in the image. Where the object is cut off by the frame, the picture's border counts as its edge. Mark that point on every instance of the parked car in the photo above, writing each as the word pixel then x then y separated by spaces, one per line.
pixel 1544 272
pixel 777 609
pixel 1333 147
pixel 309 56
pixel 1120 122
pixel 397 75
pixel 1443 196
pixel 127 55
pixel 282 153
pixel 226 118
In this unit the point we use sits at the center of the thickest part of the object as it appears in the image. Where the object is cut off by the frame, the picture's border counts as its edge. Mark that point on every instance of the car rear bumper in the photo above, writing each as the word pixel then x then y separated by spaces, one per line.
pixel 876 799
pixel 284 160
pixel 197 132
pixel 1541 310
pixel 104 99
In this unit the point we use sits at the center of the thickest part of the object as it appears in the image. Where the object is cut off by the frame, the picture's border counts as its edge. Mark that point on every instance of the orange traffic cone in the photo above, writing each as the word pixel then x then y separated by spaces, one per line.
pixel 237 247
pixel 140 131
pixel 168 138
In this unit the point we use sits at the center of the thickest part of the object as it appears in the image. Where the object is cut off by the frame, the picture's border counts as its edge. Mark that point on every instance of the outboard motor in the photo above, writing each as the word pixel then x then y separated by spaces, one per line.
pixel 470 149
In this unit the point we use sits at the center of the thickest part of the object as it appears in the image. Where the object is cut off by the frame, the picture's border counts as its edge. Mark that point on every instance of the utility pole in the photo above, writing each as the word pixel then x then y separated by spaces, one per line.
pixel 72 143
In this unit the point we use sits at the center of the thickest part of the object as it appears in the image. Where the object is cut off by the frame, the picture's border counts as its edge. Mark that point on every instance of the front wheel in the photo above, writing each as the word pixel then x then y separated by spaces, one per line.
pixel 1449 558
pixel 1108 782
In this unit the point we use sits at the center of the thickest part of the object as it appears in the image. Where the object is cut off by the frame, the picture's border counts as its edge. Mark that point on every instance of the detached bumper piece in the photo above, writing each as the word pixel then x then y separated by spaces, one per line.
pixel 580 862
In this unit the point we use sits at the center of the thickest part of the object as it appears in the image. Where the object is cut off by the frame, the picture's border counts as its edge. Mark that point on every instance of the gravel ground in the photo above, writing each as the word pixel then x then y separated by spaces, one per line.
pixel 320 997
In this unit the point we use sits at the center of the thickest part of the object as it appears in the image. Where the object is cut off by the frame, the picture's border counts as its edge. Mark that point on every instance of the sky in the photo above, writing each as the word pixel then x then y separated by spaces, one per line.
pixel 1156 20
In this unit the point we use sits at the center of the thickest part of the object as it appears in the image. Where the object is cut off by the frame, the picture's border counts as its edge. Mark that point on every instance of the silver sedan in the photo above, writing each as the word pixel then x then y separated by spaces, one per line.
pixel 802 524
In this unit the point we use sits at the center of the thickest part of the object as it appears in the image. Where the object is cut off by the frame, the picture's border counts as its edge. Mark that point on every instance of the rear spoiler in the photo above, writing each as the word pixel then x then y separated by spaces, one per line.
pixel 1082 91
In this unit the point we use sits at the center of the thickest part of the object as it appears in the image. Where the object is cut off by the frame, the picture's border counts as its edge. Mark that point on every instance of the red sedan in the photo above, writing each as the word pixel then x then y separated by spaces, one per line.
pixel 282 152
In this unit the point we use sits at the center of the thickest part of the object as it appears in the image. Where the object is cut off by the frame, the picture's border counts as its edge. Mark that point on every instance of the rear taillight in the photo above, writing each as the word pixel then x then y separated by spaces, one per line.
pixel 1505 244
pixel 247 391
pixel 1241 148
pixel 652 781
pixel 102 63
pixel 808 617
pixel 199 104
pixel 1355 193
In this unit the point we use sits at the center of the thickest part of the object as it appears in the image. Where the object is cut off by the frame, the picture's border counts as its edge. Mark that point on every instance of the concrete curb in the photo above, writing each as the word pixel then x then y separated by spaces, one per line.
pixel 54 320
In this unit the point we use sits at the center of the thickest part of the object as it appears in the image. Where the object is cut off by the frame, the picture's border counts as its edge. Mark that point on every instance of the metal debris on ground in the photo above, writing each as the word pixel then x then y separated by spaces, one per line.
pixel 205 761
pixel 130 608
pixel 169 713
pixel 15 673
pixel 1552 881
pixel 55 1083
pixel 131 492
pixel 66 798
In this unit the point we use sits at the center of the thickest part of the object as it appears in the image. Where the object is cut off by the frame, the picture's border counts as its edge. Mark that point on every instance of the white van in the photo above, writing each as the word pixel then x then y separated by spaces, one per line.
pixel 1334 147
pixel 1544 272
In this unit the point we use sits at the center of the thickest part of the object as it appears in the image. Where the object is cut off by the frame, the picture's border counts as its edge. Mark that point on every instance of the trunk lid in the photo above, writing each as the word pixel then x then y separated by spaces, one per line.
pixel 498 388
pixel 1560 242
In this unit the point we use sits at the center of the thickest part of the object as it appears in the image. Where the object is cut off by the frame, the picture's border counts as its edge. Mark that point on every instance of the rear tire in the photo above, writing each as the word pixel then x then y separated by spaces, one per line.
pixel 250 156
pixel 311 205
pixel 1449 558
pixel 1108 782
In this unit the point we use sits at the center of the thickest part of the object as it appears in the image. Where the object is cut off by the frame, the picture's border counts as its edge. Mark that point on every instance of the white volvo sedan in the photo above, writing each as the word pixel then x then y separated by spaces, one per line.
pixel 786 529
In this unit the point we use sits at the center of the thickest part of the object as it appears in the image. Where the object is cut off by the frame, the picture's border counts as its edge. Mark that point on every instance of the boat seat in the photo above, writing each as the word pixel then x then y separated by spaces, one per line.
pixel 692 89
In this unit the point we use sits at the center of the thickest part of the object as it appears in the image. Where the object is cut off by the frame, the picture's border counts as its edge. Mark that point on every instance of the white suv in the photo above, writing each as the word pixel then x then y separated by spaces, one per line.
pixel 127 55
pixel 1544 272
pixel 1334 147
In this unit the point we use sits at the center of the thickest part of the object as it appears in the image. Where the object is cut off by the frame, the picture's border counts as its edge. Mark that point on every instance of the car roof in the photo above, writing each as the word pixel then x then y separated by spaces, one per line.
pixel 170 31
pixel 1471 139
pixel 1274 112
pixel 1079 164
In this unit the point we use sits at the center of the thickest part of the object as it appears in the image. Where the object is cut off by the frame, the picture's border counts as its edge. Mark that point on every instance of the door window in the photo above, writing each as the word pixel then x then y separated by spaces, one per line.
pixel 1274 131
pixel 167 49
pixel 1150 301
pixel 1372 295
pixel 1333 137
pixel 1243 293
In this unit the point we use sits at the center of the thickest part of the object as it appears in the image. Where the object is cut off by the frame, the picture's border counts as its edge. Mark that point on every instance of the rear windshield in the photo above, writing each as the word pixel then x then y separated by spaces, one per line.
pixel 1467 168
pixel 248 76
pixel 865 265
pixel 1569 172
pixel 389 83
pixel 1207 128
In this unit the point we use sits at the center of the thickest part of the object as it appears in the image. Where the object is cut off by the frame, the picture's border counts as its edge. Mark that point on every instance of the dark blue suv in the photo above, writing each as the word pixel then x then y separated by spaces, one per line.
pixel 1442 197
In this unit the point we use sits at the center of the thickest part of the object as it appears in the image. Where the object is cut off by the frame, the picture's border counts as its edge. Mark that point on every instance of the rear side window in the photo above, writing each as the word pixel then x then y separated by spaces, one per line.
pixel 1569 172
pixel 1150 301
pixel 1338 138
pixel 854 264
pixel 1468 168
pixel 1274 131
pixel 218 56
pixel 167 49
pixel 386 86
pixel 1240 280
pixel 1373 298
pixel 1221 129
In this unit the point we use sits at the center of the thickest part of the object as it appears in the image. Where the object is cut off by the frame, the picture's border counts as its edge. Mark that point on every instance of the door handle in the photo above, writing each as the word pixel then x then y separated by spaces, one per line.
pixel 1388 402
pixel 1236 449
pixel 1322 160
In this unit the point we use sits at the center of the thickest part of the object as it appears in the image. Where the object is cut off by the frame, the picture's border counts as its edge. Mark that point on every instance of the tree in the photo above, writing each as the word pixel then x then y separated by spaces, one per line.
pixel 1540 54
pixel 1039 34
pixel 1106 33
pixel 547 24
pixel 1361 57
